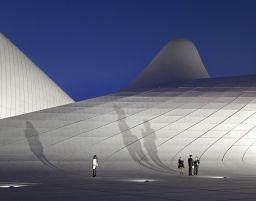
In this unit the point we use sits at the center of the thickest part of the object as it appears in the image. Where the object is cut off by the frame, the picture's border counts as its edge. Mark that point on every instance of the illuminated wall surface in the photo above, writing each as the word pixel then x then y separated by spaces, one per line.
pixel 23 86
pixel 177 60
pixel 140 131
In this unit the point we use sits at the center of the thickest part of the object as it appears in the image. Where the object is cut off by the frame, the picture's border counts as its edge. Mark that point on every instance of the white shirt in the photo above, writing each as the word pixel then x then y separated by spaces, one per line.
pixel 94 163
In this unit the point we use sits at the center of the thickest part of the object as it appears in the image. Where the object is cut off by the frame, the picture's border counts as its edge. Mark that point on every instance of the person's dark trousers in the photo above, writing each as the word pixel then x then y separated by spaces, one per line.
pixel 196 170
pixel 94 172
pixel 190 171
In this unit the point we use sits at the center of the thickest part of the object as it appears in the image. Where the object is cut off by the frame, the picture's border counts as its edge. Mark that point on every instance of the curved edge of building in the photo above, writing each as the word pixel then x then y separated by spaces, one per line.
pixel 24 87
pixel 177 60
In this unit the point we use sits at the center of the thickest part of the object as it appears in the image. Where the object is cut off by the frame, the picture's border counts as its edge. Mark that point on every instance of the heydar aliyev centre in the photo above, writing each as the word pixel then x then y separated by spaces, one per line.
pixel 171 110
pixel 24 87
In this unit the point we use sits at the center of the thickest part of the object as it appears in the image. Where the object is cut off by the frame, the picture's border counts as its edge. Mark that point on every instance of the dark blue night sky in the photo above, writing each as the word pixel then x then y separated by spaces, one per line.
pixel 92 48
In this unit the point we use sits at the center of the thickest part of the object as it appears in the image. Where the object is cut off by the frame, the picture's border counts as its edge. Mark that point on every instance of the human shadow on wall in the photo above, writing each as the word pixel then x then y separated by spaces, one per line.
pixel 149 137
pixel 132 142
pixel 36 146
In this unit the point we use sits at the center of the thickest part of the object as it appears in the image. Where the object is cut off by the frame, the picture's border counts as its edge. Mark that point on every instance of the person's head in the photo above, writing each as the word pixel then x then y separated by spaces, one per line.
pixel 94 156
pixel 190 156
pixel 196 158
pixel 180 158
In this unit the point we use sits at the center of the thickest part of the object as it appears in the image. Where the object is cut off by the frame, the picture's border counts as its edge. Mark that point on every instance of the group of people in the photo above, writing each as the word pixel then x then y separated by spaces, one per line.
pixel 192 165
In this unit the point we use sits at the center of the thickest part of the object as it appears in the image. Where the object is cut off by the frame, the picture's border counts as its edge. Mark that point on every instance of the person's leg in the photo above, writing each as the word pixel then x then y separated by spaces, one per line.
pixel 93 173
pixel 196 170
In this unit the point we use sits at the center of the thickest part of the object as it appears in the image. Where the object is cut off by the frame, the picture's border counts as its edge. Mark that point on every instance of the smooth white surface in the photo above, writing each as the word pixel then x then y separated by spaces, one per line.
pixel 177 60
pixel 132 132
pixel 24 87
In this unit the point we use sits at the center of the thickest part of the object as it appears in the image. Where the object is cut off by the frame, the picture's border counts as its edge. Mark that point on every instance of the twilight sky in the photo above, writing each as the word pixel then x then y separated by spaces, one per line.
pixel 95 47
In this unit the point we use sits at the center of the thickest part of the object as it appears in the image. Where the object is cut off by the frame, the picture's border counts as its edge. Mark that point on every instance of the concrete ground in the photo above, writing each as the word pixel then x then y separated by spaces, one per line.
pixel 123 188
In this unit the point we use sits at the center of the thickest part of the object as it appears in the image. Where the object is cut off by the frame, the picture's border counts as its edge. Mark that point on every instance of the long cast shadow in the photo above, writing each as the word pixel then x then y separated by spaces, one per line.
pixel 149 137
pixel 36 146
pixel 132 142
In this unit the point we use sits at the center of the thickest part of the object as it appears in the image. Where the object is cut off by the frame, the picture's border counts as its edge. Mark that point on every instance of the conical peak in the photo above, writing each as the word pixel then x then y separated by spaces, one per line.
pixel 180 42
pixel 177 60
pixel 26 88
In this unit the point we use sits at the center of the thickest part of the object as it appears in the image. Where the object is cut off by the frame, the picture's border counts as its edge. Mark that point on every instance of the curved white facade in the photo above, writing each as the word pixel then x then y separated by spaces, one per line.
pixel 139 132
pixel 23 86
pixel 133 132
pixel 177 60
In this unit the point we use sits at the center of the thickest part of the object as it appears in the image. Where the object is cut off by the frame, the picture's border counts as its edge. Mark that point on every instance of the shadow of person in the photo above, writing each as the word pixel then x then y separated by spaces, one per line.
pixel 35 145
pixel 131 142
pixel 149 137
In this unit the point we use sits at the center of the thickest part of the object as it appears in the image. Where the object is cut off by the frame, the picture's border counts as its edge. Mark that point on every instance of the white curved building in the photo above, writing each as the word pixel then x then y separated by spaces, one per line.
pixel 24 87
pixel 178 60
pixel 139 132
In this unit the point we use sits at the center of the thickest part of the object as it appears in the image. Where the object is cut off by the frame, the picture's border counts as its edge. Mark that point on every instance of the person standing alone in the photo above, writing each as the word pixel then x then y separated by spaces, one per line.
pixel 94 165
pixel 190 165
